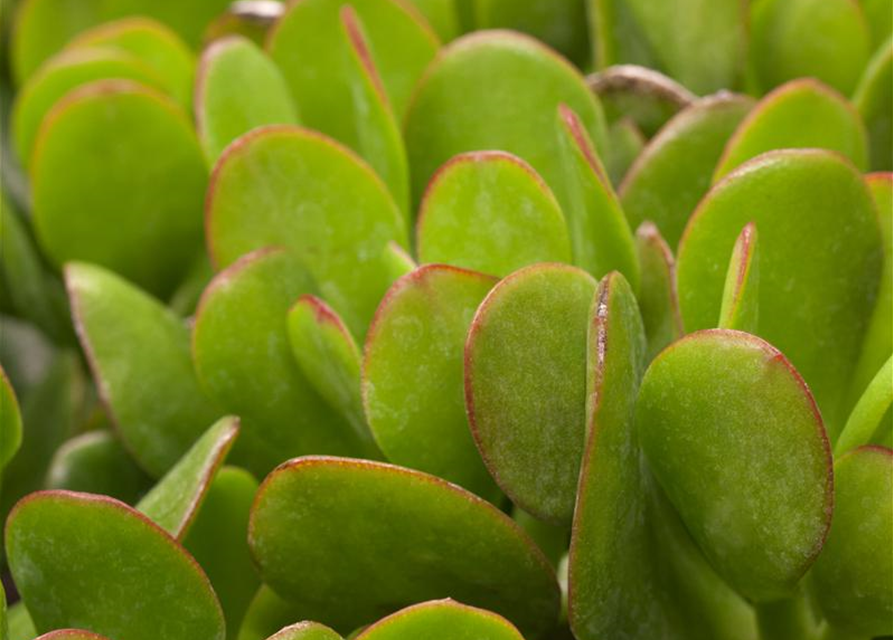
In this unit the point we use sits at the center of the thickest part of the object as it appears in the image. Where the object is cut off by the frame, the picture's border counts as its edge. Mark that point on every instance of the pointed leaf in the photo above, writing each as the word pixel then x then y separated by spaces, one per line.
pixel 735 439
pixel 450 542
pixel 441 620
pixel 874 102
pixel 489 211
pixel 305 631
pixel 138 352
pixel 658 300
pixel 412 375
pixel 740 296
pixel 525 385
pixel 866 419
pixel 10 421
pixel 149 586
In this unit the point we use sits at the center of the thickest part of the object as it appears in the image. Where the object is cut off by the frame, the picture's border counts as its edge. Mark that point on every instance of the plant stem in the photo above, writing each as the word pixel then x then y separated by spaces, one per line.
pixel 785 620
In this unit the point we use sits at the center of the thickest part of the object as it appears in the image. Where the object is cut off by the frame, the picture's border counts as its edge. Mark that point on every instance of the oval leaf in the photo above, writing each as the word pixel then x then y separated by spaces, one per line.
pixel 441 620
pixel 71 634
pixel 305 631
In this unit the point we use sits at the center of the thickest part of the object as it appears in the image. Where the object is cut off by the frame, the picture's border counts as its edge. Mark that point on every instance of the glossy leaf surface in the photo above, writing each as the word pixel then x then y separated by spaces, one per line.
pixel 733 435
pixel 658 300
pixel 441 620
pixel 489 211
pixel 740 295
pixel 451 544
pixel 412 375
pixel 149 586
pixel 525 385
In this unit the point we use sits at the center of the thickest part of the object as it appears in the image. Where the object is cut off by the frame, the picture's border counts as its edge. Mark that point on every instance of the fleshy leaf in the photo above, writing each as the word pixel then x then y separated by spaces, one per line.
pixel 10 421
pixel 674 171
pixel 296 188
pixel 56 541
pixel 489 211
pixel 625 144
pixel 330 360
pixel 173 503
pixel 600 234
pixel 139 354
pixel 735 439
pixel 244 361
pixel 525 385
pixel 658 300
pixel 412 375
pixel 824 39
pixel 237 89
pixel 853 577
pixel 20 625
pixel 71 634
pixel 441 620
pixel 740 296
pixel 866 419
pixel 802 113
pixel 305 631
pixel 874 102
pixel 118 179
pixel 820 200
pixel 490 90
pixel 450 542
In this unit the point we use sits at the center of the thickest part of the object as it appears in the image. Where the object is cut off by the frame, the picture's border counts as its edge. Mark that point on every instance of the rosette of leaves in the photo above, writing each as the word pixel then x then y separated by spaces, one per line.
pixel 380 319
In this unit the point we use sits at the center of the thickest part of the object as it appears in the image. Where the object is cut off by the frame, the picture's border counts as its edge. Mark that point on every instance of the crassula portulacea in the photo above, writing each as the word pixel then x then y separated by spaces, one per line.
pixel 446 320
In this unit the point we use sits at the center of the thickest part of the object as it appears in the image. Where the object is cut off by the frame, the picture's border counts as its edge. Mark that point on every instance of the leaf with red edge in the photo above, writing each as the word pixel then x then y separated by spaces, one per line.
pixel 740 297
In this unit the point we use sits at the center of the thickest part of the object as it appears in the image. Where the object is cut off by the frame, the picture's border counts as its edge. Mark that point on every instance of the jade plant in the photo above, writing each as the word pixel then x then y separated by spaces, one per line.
pixel 446 319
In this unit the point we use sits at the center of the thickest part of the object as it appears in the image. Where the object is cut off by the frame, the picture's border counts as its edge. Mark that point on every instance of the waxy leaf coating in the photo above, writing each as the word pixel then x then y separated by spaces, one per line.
pixel 69 551
pixel 525 385
pixel 489 211
pixel 441 620
pixel 71 634
pixel 412 375
pixel 733 436
pixel 305 631
pixel 658 300
pixel 740 296
pixel 325 531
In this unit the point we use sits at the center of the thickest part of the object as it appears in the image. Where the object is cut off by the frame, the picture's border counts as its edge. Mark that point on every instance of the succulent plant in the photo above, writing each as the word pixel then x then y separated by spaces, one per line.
pixel 379 319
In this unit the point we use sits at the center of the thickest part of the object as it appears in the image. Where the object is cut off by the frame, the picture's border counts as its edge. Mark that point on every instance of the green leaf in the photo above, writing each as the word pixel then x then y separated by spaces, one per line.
pixel 154 44
pixel 819 240
pixel 356 516
pixel 879 15
pixel 824 39
pixel 490 90
pixel 740 296
pixel 237 89
pixel 735 439
pixel 866 419
pixel 148 585
pixel 412 375
pixel 244 360
pixel 600 234
pixel 267 613
pixel 305 631
pixel 10 421
pixel 330 360
pixel 118 179
pixel 20 625
pixel 97 462
pixel 173 503
pixel 138 352
pixel 658 301
pixel 853 577
pixel 293 187
pixel 71 634
pixel 441 620
pixel 489 211
pixel 625 143
pixel 218 539
pixel 873 100
pixel 675 169
pixel 800 114
pixel 525 385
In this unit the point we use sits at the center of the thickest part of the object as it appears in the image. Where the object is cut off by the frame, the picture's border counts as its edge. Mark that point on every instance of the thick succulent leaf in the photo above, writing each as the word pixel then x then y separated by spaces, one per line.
pixel 551 539
pixel 441 15
pixel 244 360
pixel 10 421
pixel 218 539
pixel 97 462
pixel 450 543
pixel 601 237
pixel 820 200
pixel 148 585
pixel 490 90
pixel 71 634
pixel 305 631
pixel 824 39
pixel 251 19
pixel 139 354
pixel 441 620
pixel 525 385
pixel 237 89
pixel 42 27
pixel 489 211
pixel 867 417
pixel 740 295
pixel 118 179
pixel 853 578
pixel 735 439
pixel 173 503
pixel 267 614
pixel 658 300
pixel 412 375
pixel 625 143
pixel 61 74
pixel 20 625
pixel 874 102
pixel 296 188
pixel 329 357
pixel 801 113
pixel 674 171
